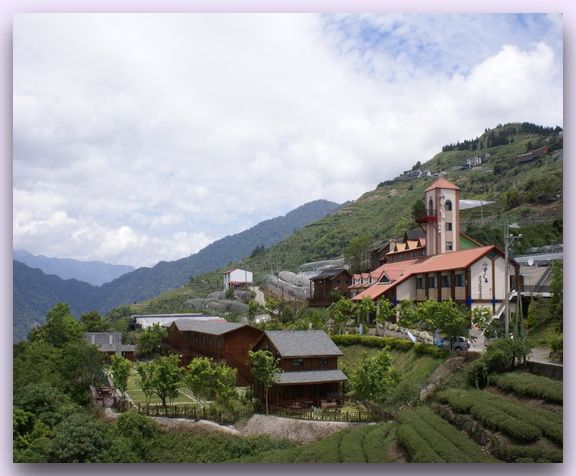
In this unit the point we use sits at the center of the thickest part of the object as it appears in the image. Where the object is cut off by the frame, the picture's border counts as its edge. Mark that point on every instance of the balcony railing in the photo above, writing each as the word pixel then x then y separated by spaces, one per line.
pixel 426 216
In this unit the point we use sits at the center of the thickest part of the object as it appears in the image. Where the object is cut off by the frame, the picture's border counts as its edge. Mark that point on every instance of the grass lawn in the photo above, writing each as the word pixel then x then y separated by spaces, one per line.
pixel 414 370
pixel 136 394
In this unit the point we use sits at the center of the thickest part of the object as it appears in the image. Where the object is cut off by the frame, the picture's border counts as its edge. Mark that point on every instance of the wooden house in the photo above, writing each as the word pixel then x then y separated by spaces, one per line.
pixel 309 369
pixel 220 340
pixel 327 284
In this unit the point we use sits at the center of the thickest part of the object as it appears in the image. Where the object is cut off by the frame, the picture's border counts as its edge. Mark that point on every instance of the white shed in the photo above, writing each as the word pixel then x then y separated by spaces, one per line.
pixel 237 277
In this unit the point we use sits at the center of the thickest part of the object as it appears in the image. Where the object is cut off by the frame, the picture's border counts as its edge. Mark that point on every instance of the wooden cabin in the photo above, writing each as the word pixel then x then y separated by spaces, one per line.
pixel 309 369
pixel 220 340
pixel 327 284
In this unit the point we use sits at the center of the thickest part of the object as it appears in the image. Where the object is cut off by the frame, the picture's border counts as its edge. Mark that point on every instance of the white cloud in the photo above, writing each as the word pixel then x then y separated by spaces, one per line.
pixel 155 134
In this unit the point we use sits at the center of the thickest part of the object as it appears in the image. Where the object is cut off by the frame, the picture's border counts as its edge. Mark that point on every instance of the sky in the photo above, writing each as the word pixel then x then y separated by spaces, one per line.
pixel 144 137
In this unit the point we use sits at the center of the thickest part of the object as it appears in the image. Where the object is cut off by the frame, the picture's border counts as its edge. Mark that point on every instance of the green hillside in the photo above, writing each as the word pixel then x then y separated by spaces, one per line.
pixel 528 194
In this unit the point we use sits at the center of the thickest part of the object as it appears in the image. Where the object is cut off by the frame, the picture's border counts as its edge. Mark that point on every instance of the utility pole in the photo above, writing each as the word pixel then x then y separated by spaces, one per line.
pixel 508 240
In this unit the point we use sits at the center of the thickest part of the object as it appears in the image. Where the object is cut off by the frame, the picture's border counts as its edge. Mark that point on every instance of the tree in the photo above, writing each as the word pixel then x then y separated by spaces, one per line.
pixel 230 294
pixel 94 322
pixel 385 311
pixel 374 379
pixel 407 315
pixel 146 373
pixel 253 307
pixel 418 209
pixel 198 377
pixel 121 368
pixel 265 369
pixel 556 288
pixel 150 340
pixel 166 377
pixel 80 364
pixel 481 317
pixel 60 327
pixel 224 384
pixel 357 254
pixel 446 316
pixel 341 312
pixel 363 310
pixel 79 439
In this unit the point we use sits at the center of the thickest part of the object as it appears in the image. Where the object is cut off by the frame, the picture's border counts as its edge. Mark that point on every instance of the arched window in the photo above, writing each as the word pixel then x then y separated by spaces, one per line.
pixel 448 205
pixel 430 207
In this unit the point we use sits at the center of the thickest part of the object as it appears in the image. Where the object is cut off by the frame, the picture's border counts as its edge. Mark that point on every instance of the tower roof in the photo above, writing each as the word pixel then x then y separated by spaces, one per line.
pixel 442 183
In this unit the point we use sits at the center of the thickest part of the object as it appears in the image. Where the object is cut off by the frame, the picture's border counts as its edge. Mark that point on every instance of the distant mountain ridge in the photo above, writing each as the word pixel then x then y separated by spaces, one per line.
pixel 91 272
pixel 35 292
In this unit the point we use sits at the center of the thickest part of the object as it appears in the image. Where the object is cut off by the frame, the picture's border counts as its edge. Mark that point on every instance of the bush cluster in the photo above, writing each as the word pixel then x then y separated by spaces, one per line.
pixel 419 449
pixel 526 454
pixel 420 348
pixel 443 438
pixel 373 341
pixel 529 385
pixel 501 414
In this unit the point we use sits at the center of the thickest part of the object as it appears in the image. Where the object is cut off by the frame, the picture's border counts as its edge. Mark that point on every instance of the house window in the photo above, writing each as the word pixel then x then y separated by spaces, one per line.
pixel 445 281
pixel 419 283
pixel 297 362
pixel 448 205
pixel 449 245
pixel 459 280
pixel 449 226
pixel 430 207
pixel 323 362
pixel 432 282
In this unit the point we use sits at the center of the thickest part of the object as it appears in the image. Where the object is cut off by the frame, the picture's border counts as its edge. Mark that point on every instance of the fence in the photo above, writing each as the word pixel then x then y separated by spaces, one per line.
pixel 194 412
pixel 325 415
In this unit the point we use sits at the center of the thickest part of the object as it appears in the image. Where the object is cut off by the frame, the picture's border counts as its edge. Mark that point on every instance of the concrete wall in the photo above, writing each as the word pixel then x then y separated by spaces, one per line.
pixel 406 290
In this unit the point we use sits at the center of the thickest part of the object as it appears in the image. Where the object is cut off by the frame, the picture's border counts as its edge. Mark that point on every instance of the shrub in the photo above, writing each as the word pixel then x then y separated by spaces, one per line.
pixel 373 341
pixel 477 373
pixel 420 348
pixel 515 454
pixel 525 384
pixel 417 447
pixel 376 442
pixel 351 447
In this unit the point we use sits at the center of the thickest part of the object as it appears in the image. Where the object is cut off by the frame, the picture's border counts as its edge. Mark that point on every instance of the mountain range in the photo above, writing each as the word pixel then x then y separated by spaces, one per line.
pixel 36 292
pixel 91 272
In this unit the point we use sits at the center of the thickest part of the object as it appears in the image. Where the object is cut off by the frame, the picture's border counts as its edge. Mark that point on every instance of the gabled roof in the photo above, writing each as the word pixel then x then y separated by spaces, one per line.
pixel 303 343
pixel 442 183
pixel 207 327
pixel 414 234
pixel 310 376
pixel 329 274
pixel 429 264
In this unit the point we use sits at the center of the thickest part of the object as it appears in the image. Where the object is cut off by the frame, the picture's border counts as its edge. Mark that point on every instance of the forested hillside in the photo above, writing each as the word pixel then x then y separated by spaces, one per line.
pixel 35 292
pixel 529 194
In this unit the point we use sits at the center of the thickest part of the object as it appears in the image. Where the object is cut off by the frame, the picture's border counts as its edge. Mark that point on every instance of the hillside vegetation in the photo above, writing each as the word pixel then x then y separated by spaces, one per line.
pixel 527 194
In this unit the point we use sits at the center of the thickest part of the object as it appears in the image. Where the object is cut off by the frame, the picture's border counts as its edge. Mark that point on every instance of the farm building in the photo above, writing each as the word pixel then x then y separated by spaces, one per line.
pixel 110 343
pixel 220 340
pixel 325 286
pixel 309 368
pixel 234 278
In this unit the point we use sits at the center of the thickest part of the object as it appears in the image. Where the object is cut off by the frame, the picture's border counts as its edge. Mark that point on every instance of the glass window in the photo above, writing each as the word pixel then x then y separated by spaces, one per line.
pixel 432 281
pixel 323 362
pixel 449 245
pixel 448 205
pixel 449 226
pixel 459 280
pixel 419 283
pixel 446 281
pixel 297 362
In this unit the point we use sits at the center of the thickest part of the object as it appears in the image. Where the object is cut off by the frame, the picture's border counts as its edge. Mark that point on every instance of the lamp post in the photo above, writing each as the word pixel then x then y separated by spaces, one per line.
pixel 508 240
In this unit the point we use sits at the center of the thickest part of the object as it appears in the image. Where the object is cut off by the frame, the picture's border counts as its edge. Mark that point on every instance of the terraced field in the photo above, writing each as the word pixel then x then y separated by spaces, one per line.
pixel 365 444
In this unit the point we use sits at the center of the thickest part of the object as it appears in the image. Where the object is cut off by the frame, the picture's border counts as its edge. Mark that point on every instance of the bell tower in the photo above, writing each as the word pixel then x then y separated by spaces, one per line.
pixel 442 217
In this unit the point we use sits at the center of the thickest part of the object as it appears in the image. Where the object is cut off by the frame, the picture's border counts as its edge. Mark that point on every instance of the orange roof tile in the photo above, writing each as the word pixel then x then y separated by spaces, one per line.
pixel 402 270
pixel 442 183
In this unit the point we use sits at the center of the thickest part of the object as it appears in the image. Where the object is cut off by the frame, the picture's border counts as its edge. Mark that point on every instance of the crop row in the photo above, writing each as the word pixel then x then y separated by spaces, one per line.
pixel 529 385
pixel 433 437
pixel 490 415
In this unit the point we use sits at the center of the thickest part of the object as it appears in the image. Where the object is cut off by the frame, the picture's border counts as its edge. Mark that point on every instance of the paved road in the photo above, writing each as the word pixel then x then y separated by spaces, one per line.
pixel 259 298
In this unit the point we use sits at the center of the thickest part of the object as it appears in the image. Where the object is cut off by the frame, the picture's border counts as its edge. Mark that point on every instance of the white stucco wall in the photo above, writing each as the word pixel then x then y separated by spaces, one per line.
pixel 407 289
pixel 480 280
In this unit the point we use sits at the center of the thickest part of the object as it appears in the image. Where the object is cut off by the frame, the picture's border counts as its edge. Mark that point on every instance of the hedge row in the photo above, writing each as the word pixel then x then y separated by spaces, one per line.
pixel 529 385
pixel 489 415
pixel 455 436
pixel 526 454
pixel 444 439
pixel 390 342
pixel 376 443
pixel 373 341
pixel 549 423
pixel 418 448
pixel 351 446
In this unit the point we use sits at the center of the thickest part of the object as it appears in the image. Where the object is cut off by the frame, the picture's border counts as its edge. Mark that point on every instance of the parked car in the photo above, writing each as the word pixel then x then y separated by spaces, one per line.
pixel 458 343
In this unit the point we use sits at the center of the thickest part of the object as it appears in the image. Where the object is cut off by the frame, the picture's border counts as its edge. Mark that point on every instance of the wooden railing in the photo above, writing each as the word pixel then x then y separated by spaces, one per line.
pixel 333 414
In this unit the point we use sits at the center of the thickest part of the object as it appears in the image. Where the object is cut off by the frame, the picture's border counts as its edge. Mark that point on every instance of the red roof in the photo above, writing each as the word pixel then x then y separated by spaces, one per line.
pixel 442 183
pixel 402 270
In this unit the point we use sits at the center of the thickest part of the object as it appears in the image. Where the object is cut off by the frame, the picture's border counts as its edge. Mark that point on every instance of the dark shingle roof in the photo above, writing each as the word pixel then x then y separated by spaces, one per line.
pixel 303 343
pixel 310 376
pixel 330 273
pixel 207 327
